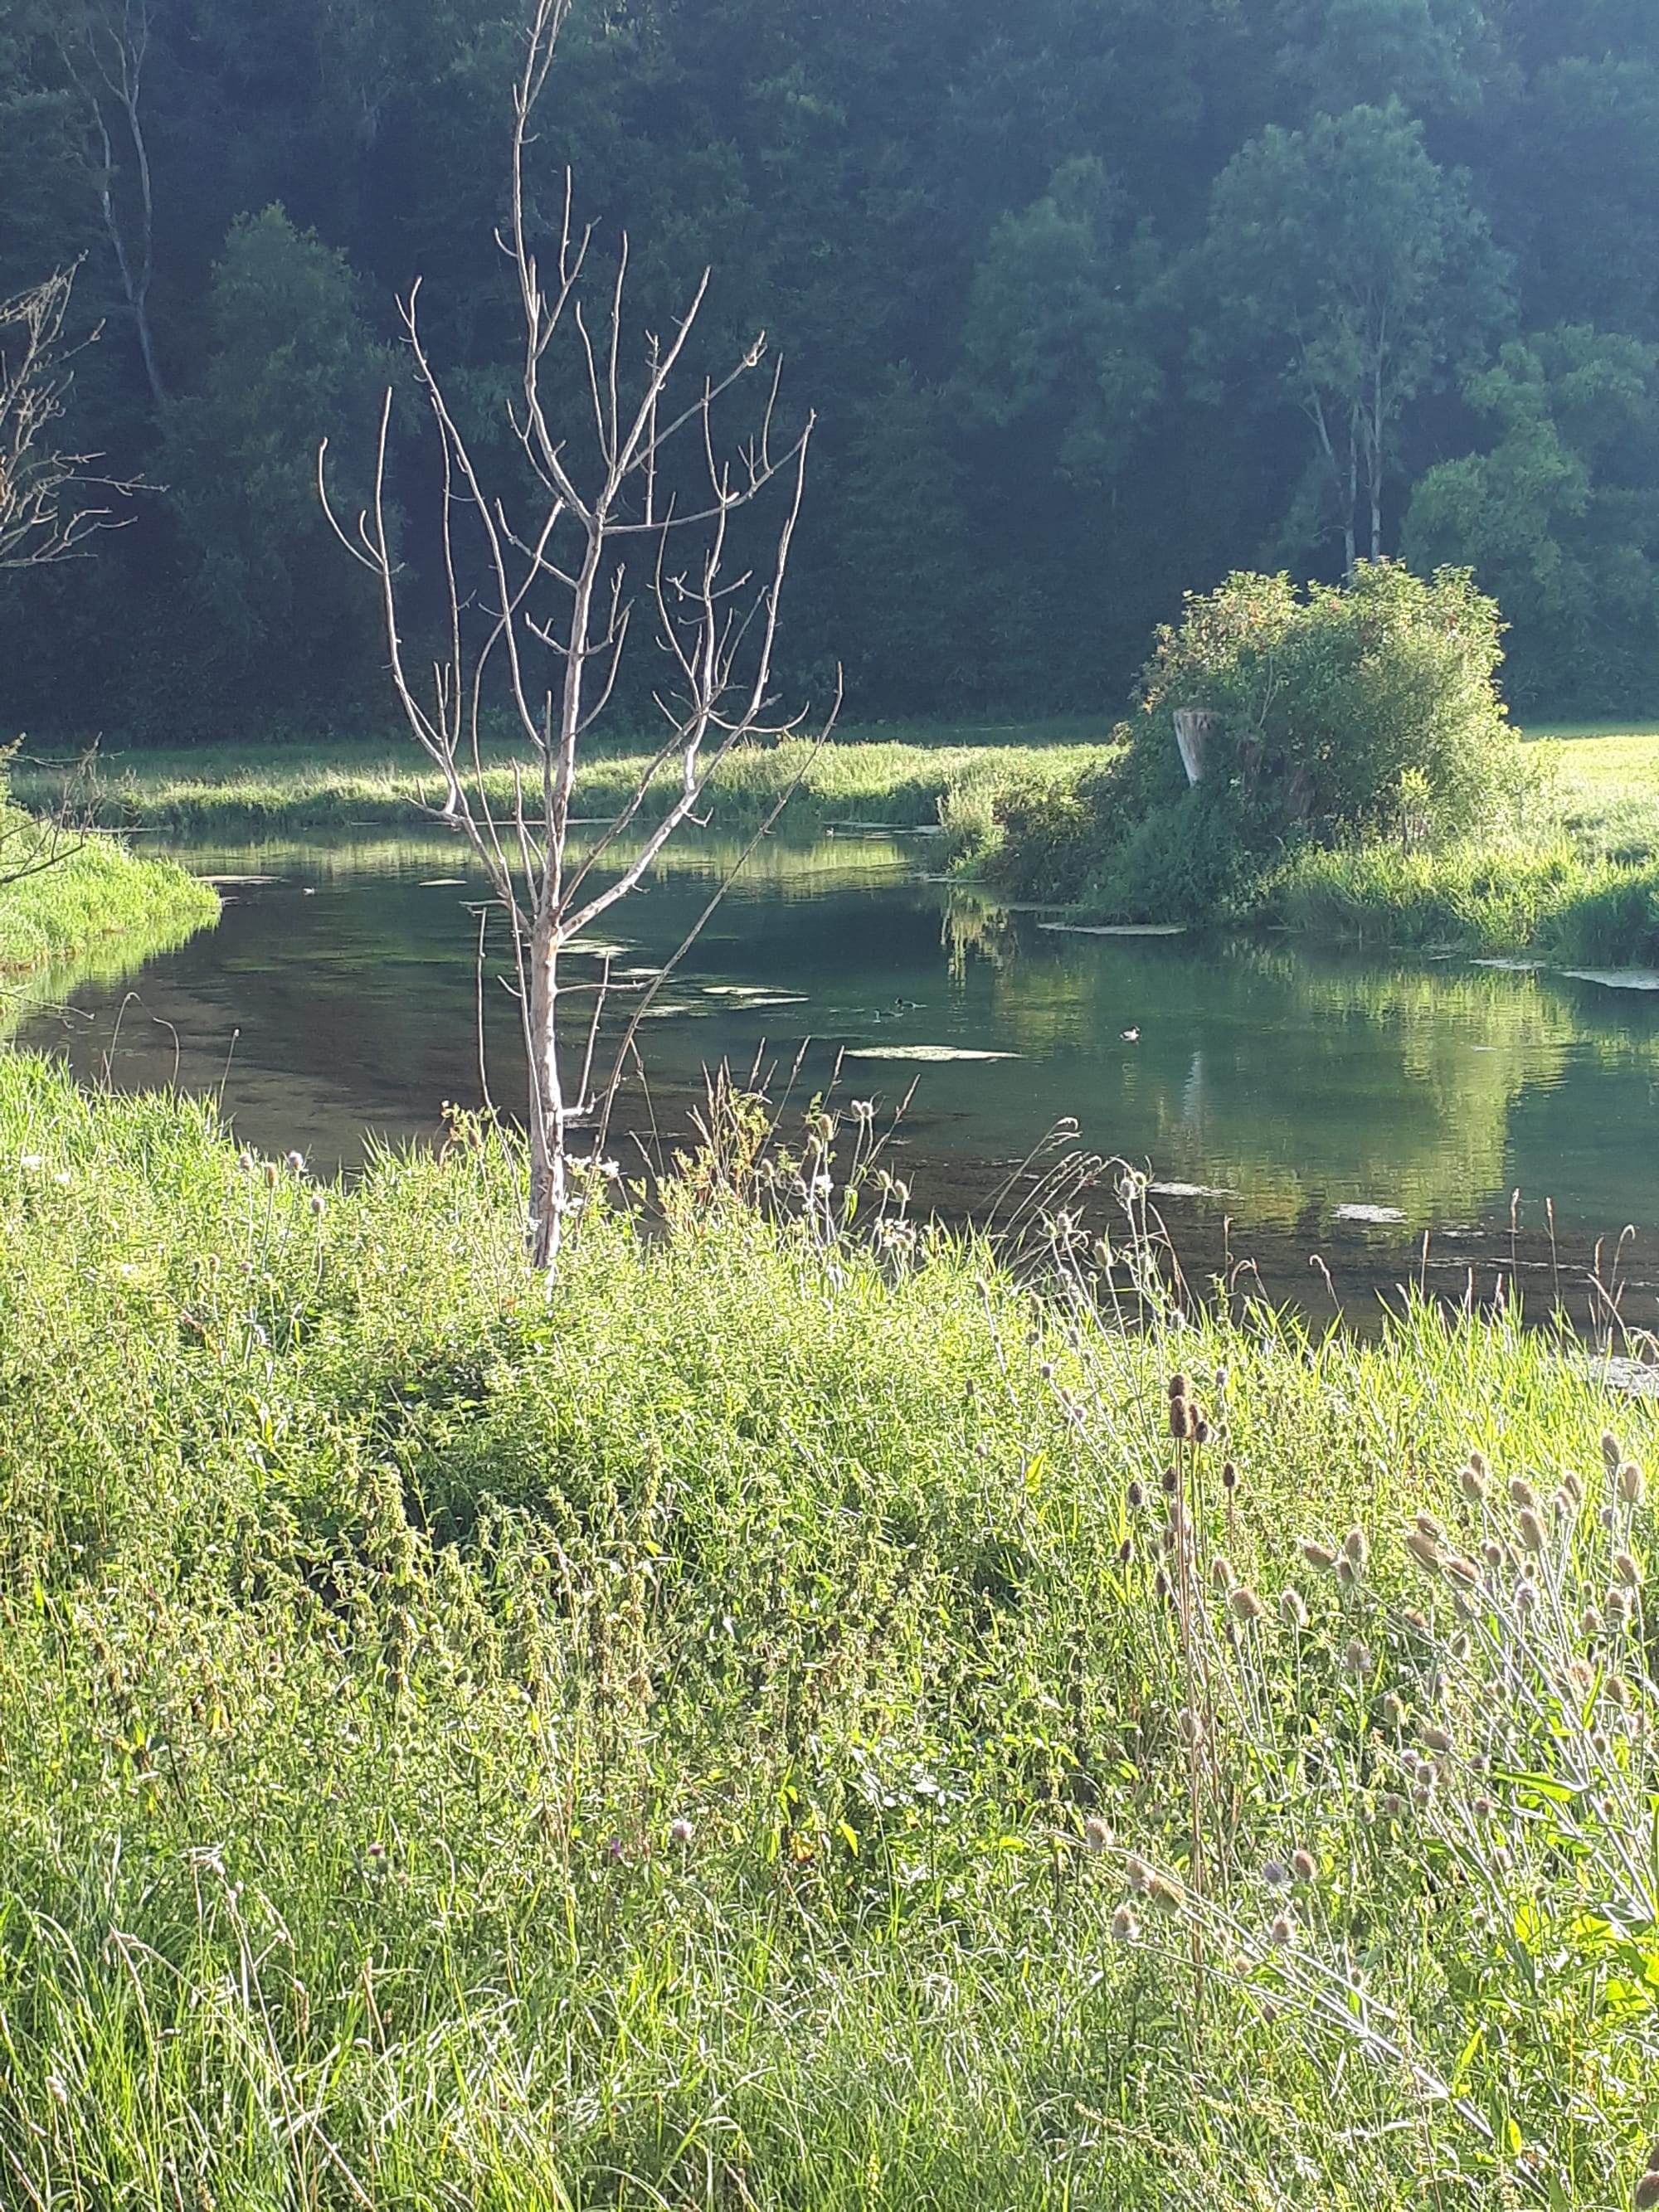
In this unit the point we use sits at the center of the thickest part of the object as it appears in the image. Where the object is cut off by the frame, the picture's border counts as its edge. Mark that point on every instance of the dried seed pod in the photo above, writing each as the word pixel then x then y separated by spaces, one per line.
pixel 1291 1611
pixel 1526 1597
pixel 1222 1577
pixel 1281 1931
pixel 1169 1482
pixel 1647 2190
pixel 1574 1488
pixel 1472 1483
pixel 1436 1737
pixel 1532 1529
pixel 1462 1571
pixel 1246 1605
pixel 1180 1387
pixel 1136 1497
pixel 1347 1573
pixel 1459 1647
pixel 1303 1865
pixel 1612 1452
pixel 1356 1545
pixel 1580 1678
pixel 1619 1607
pixel 1096 1836
pixel 1190 1725
pixel 1626 1569
pixel 1492 1553
pixel 1356 1658
pixel 1590 1622
pixel 1477 1460
pixel 1394 1713
pixel 1229 1475
pixel 1317 1554
pixel 1138 1875
pixel 1125 1927
pixel 1427 1525
pixel 1632 1484
pixel 1523 1494
pixel 1164 1894
pixel 1422 1548
pixel 1202 1433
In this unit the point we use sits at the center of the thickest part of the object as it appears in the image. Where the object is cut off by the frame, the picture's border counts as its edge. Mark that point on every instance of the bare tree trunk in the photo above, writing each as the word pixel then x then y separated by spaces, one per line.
pixel 638 469
pixel 1193 728
pixel 116 43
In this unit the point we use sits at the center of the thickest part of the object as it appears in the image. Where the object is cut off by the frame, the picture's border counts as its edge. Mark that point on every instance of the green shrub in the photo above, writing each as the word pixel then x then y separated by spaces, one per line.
pixel 1369 706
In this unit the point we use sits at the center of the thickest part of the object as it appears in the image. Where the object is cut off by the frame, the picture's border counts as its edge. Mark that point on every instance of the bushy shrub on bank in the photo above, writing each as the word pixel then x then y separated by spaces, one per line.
pixel 781 1720
pixel 63 894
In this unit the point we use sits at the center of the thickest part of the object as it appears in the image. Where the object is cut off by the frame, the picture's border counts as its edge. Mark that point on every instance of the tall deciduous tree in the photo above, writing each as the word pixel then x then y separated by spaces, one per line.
pixel 1342 256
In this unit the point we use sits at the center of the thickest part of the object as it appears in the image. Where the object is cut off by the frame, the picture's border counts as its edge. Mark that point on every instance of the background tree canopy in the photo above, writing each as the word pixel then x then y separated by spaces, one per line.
pixel 1098 301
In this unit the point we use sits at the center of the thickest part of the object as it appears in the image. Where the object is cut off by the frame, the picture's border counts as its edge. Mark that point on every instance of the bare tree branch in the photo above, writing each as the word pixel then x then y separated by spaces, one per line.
pixel 45 495
pixel 539 627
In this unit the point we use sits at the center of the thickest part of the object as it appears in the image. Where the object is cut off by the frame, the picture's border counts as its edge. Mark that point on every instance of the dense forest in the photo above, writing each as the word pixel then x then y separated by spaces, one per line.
pixel 1094 300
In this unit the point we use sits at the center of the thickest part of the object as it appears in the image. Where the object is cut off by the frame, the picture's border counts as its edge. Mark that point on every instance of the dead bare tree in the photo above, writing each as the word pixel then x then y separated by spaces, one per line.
pixel 545 629
pixel 44 493
pixel 105 57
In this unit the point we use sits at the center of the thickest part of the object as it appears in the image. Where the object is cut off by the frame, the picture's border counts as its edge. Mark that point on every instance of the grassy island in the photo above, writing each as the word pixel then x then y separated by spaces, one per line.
pixel 779 1720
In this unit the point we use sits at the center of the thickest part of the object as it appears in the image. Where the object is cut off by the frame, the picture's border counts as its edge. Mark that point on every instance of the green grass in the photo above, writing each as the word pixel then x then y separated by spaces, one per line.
pixel 86 903
pixel 894 774
pixel 370 1617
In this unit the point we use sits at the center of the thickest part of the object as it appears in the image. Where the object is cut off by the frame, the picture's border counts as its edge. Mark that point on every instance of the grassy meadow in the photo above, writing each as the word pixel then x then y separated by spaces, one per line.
pixel 779 1720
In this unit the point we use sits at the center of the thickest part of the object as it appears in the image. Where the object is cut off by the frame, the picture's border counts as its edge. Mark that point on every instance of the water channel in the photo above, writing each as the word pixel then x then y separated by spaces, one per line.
pixel 1311 1098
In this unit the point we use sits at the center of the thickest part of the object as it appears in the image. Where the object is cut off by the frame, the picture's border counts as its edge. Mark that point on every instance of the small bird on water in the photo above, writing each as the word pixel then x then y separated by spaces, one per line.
pixel 1132 1037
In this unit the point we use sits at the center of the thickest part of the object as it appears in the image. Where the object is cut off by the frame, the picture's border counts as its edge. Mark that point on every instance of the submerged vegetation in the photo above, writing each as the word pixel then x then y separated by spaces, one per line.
pixel 781 1719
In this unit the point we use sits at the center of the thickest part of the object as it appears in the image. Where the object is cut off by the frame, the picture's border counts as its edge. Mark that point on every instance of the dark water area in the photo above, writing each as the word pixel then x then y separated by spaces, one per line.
pixel 1287 1099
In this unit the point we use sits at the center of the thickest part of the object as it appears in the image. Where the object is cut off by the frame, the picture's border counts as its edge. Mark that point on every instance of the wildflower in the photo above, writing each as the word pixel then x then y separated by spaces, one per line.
pixel 1356 1658
pixel 1532 1529
pixel 1291 1611
pixel 681 1831
pixel 1246 1605
pixel 1436 1737
pixel 295 1162
pixel 1221 1573
pixel 1126 1928
pixel 319 1206
pixel 1317 1554
pixel 1281 1931
pixel 1303 1865
pixel 1394 1713
pixel 1626 1569
pixel 1355 1546
pixel 1138 1875
pixel 1523 1495
pixel 1164 1894
pixel 1633 1485
pixel 1276 1874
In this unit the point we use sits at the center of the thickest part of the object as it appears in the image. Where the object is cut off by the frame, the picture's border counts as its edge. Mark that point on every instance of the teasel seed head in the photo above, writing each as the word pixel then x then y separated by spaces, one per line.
pixel 1647 2190
pixel 1618 1607
pixel 1590 1622
pixel 1477 1460
pixel 1138 1875
pixel 1190 1725
pixel 1492 1553
pixel 1526 1597
pixel 1393 1712
pixel 1462 1571
pixel 1422 1548
pixel 1427 1525
pixel 1229 1475
pixel 1221 1573
pixel 1391 1805
pixel 1169 1482
pixel 1160 1585
pixel 1422 1796
pixel 1580 1678
pixel 1574 1488
pixel 1164 1894
pixel 1275 1873
pixel 1532 1529
pixel 1281 1931
pixel 1096 1836
pixel 1618 1693
pixel 1612 1452
pixel 1137 1496
pixel 1653 2158
pixel 1436 1737
pixel 1184 1419
pixel 1356 1658
pixel 1632 1484
pixel 1472 1483
pixel 1504 1859
pixel 1291 1611
pixel 1246 1605
pixel 1356 1545
pixel 1624 1566
pixel 1423 1774
pixel 1523 1494
pixel 1125 1927
pixel 1303 1865
pixel 1419 1623
pixel 1180 1387
pixel 1347 1573
pixel 1482 1808
pixel 1202 1433
pixel 1317 1554
pixel 1461 1648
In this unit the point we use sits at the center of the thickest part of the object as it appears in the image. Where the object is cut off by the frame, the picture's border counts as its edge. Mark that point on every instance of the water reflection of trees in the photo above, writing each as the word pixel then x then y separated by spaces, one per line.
pixel 1297 1081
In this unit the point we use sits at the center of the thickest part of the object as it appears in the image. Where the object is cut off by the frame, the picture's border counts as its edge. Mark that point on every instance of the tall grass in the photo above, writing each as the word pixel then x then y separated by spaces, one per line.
pixel 725 1732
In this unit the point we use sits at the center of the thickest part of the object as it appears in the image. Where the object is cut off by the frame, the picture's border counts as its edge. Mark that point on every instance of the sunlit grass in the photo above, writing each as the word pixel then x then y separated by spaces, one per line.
pixel 683 1740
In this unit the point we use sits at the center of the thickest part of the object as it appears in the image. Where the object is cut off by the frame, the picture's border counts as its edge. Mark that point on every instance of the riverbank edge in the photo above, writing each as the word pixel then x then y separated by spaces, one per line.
pixel 91 893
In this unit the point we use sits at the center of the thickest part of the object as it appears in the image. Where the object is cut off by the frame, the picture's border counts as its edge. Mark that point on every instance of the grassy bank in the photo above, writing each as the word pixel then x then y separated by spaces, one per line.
pixel 85 899
pixel 716 1736
pixel 891 775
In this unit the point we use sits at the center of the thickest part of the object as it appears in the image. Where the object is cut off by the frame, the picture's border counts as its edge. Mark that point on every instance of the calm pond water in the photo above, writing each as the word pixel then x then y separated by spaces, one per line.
pixel 337 998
